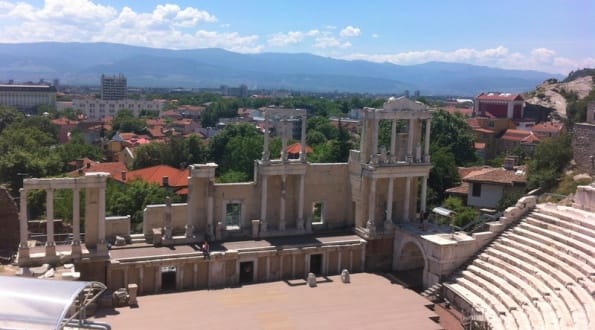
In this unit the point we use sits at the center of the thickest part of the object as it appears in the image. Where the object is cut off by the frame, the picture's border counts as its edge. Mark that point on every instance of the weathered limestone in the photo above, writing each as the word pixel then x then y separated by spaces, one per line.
pixel 312 280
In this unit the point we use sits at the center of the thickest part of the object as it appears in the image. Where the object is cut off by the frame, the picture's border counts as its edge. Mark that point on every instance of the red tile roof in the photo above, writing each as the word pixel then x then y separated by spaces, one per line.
pixel 497 176
pixel 115 169
pixel 463 189
pixel 474 123
pixel 547 127
pixel 484 130
pixel 154 174
pixel 499 97
pixel 479 145
pixel 64 121
pixel 296 147
pixel 517 135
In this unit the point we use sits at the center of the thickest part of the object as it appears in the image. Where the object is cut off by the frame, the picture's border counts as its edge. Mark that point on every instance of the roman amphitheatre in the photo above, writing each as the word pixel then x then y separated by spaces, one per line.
pixel 326 245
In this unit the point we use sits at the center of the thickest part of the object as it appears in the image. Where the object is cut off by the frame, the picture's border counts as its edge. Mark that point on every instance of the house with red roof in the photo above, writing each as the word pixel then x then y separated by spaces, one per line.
pixel 548 129
pixel 484 187
pixel 65 126
pixel 163 175
pixel 514 138
pixel 499 105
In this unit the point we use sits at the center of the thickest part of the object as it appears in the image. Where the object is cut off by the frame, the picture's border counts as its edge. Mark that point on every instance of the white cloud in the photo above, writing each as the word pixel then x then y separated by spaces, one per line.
pixel 291 38
pixel 327 41
pixel 350 31
pixel 167 25
pixel 375 36
pixel 542 59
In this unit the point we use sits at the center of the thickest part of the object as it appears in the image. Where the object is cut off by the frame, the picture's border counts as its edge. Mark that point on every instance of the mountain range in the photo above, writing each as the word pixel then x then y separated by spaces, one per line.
pixel 83 64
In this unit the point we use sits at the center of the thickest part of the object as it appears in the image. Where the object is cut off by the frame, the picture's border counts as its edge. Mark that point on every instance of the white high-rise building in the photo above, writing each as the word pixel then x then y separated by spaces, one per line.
pixel 113 87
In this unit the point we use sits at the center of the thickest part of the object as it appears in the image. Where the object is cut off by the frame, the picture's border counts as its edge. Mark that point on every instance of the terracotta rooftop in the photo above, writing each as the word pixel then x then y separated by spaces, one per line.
pixel 473 122
pixel 499 97
pixel 64 121
pixel 484 130
pixel 154 174
pixel 517 135
pixel 547 127
pixel 497 175
pixel 296 147
pixel 479 145
pixel 115 169
pixel 462 189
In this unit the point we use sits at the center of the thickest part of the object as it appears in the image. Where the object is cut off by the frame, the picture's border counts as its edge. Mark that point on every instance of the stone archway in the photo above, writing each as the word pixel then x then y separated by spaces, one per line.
pixel 410 264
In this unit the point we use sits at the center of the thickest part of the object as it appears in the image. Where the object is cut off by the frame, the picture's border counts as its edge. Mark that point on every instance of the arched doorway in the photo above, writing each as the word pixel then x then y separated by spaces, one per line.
pixel 410 265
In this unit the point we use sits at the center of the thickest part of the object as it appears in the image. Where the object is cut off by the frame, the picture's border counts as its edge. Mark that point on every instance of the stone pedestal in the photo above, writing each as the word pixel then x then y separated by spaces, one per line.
pixel 102 247
pixel 371 227
pixel 189 231
pixel 312 280
pixel 255 227
pixel 76 250
pixel 219 231
pixel 50 249
pixel 132 293
pixel 23 252
pixel 345 276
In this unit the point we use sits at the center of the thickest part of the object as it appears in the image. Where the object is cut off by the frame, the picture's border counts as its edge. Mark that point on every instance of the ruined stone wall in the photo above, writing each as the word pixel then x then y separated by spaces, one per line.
pixel 9 224
pixel 583 147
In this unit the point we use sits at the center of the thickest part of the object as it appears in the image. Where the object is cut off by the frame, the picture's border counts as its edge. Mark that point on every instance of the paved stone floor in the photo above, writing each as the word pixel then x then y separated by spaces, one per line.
pixel 369 302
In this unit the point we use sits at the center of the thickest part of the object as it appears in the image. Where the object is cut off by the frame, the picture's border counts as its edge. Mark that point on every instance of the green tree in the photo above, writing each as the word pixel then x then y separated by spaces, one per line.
pixel 125 121
pixel 132 198
pixel 235 148
pixel 443 175
pixel 550 158
pixel 463 214
pixel 8 116
pixel 453 133
pixel 150 154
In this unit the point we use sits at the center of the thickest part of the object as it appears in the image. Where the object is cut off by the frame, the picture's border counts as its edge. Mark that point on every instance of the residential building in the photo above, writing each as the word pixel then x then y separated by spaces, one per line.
pixel 499 105
pixel 548 129
pixel 27 97
pixel 515 138
pixel 113 88
pixel 484 187
pixel 97 109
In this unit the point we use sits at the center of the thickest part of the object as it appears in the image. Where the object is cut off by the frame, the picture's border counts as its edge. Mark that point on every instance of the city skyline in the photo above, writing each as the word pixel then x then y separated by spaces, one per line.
pixel 556 36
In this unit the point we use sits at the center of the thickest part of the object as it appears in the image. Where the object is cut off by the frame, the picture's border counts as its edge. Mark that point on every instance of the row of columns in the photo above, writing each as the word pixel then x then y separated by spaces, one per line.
pixel 210 210
pixel 282 201
pixel 410 139
pixel 371 223
pixel 50 245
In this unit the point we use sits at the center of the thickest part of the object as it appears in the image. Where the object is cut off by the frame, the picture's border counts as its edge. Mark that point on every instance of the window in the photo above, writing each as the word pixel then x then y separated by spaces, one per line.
pixel 476 191
pixel 491 123
pixel 233 212
pixel 317 212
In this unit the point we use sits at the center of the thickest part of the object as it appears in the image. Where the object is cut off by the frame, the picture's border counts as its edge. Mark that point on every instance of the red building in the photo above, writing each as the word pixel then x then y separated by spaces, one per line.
pixel 499 105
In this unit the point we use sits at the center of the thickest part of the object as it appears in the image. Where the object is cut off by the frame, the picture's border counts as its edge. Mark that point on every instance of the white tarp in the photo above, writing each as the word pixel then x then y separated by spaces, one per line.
pixel 30 303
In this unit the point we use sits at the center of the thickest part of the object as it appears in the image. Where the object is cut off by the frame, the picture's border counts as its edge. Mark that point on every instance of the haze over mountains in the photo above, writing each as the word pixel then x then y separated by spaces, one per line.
pixel 83 63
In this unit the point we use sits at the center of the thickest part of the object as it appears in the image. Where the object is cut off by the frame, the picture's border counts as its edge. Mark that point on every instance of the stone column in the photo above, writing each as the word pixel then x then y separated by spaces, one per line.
pixel 265 149
pixel 393 141
pixel 263 204
pixel 23 228
pixel 50 245
pixel 407 199
pixel 371 225
pixel 388 222
pixel 510 110
pixel 189 225
pixel 101 244
pixel 283 125
pixel 210 207
pixel 427 141
pixel 410 142
pixel 303 140
pixel 300 219
pixel 375 138
pixel 424 192
pixel 282 206
pixel 363 138
pixel 168 232
pixel 76 224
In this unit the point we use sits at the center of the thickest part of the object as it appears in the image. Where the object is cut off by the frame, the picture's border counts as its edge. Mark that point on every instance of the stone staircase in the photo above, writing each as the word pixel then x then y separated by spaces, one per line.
pixel 538 274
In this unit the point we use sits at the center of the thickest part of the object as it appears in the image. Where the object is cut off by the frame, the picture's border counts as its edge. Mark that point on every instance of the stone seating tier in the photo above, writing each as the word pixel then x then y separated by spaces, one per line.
pixel 584 238
pixel 490 314
pixel 572 225
pixel 572 294
pixel 538 274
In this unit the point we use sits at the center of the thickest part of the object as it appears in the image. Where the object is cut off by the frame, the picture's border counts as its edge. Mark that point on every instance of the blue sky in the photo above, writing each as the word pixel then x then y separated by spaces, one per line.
pixel 549 35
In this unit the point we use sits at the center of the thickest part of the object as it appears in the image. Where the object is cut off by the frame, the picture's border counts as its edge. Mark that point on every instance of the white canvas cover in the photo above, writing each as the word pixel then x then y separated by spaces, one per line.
pixel 30 303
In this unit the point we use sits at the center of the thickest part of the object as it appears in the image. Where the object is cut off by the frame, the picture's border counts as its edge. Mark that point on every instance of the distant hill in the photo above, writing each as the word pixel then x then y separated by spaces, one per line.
pixel 83 63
